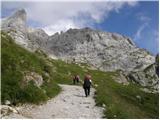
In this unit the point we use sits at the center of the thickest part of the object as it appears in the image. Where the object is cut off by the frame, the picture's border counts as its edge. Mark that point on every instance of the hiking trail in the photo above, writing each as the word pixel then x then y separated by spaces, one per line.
pixel 70 103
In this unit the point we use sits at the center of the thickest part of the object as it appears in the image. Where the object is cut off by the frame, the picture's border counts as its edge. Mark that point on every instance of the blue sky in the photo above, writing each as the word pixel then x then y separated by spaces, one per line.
pixel 142 19
pixel 138 20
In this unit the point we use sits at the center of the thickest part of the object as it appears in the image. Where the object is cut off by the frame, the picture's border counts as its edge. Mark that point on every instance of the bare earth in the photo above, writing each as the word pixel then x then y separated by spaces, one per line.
pixel 70 103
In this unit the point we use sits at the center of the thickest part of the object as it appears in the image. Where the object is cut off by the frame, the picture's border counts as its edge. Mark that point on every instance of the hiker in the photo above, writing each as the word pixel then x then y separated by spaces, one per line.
pixel 76 79
pixel 87 84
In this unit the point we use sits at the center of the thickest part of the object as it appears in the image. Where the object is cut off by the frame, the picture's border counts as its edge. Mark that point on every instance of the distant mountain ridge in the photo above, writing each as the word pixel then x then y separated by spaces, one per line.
pixel 102 50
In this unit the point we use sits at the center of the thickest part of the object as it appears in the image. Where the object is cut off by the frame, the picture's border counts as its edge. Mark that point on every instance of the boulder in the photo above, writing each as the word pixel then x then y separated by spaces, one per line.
pixel 32 76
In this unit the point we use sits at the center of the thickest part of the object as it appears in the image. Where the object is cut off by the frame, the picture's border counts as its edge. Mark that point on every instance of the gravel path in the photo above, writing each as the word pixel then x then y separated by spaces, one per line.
pixel 70 103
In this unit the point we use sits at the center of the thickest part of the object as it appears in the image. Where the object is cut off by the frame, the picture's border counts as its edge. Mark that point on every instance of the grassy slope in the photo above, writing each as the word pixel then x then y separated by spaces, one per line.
pixel 14 62
pixel 120 101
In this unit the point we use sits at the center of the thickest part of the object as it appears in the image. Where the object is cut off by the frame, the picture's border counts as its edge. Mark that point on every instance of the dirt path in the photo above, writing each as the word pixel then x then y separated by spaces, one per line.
pixel 70 103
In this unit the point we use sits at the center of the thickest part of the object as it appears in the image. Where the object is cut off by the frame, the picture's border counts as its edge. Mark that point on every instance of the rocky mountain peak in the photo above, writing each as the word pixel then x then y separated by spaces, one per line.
pixel 28 37
pixel 20 15
pixel 103 50
pixel 16 21
pixel 15 26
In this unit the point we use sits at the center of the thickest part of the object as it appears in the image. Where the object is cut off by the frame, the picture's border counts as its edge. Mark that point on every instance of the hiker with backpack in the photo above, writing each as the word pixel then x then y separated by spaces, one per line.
pixel 87 84
pixel 76 79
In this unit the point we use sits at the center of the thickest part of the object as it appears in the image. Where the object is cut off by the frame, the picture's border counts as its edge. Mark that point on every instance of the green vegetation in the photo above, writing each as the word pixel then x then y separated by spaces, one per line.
pixel 15 61
pixel 124 101
pixel 121 101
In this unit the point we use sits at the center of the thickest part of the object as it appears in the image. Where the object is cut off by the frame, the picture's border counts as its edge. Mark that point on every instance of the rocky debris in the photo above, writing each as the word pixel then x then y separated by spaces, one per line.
pixel 147 90
pixel 138 97
pixel 7 102
pixel 32 76
pixel 71 108
pixel 6 110
pixel 146 78
pixel 96 85
pixel 115 116
pixel 103 105
pixel 121 78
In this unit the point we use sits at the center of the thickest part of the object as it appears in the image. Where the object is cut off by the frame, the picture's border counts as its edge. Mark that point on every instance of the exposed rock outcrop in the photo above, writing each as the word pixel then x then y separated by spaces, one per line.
pixel 146 78
pixel 6 110
pixel 34 77
pixel 37 39
pixel 30 38
pixel 15 26
pixel 103 50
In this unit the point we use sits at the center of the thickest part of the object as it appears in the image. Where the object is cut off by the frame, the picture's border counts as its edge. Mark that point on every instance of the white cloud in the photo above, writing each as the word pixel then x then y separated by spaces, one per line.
pixel 142 17
pixel 145 20
pixel 138 34
pixel 57 16
pixel 59 26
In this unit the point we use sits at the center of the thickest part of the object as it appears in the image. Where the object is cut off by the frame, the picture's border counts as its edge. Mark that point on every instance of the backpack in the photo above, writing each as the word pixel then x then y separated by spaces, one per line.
pixel 87 83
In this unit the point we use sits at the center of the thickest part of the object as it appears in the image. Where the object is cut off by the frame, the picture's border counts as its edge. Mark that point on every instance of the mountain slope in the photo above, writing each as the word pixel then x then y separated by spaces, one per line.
pixel 26 77
pixel 101 50
pixel 15 25
pixel 119 101
pixel 28 37
pixel 106 52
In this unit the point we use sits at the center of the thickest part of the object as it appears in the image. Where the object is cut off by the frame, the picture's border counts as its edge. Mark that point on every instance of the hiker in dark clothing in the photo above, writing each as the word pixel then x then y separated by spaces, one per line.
pixel 76 79
pixel 87 84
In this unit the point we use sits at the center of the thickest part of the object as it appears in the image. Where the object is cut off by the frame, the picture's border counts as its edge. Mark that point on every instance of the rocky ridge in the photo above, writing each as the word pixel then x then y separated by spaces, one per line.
pixel 102 50
pixel 28 37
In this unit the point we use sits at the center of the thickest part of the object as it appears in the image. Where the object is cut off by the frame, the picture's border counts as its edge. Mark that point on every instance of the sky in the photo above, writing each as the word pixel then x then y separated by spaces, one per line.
pixel 138 20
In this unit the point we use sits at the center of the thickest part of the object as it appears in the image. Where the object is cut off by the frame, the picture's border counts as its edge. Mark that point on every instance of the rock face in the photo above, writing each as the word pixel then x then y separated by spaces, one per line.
pixel 37 39
pixel 15 26
pixel 28 37
pixel 5 110
pixel 101 50
pixel 32 76
pixel 107 52
pixel 146 77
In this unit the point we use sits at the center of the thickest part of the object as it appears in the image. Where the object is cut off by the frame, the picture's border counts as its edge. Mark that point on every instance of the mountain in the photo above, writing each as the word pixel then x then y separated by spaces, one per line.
pixel 38 39
pixel 32 77
pixel 28 37
pixel 107 52
pixel 26 76
pixel 15 26
pixel 101 50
